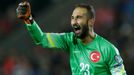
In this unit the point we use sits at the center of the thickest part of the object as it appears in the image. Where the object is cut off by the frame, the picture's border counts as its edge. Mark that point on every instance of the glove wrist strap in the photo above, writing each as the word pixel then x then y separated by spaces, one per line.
pixel 29 20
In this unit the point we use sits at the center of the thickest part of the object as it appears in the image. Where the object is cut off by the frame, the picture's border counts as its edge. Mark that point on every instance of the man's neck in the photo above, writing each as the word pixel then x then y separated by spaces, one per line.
pixel 88 38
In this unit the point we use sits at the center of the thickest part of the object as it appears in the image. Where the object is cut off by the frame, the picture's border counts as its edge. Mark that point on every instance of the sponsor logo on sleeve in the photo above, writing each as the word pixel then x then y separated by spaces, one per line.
pixel 118 59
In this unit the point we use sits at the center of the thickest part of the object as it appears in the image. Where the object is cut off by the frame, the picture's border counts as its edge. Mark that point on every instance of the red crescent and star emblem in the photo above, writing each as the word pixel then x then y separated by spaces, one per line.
pixel 95 56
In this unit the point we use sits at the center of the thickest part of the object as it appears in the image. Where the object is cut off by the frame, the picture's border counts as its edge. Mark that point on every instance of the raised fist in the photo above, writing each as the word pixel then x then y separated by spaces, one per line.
pixel 23 10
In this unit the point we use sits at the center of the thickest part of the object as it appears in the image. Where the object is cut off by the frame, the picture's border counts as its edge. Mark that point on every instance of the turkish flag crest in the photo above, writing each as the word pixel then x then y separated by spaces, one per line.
pixel 95 56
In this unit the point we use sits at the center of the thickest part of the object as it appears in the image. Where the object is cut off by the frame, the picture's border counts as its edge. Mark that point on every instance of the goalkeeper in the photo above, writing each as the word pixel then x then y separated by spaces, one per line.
pixel 90 54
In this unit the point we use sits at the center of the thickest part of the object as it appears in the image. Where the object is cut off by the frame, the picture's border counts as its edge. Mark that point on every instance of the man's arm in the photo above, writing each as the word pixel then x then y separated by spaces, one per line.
pixel 114 61
pixel 35 32
pixel 50 40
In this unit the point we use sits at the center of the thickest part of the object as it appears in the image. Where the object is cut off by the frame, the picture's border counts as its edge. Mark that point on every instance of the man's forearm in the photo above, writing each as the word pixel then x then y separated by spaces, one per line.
pixel 119 70
pixel 35 31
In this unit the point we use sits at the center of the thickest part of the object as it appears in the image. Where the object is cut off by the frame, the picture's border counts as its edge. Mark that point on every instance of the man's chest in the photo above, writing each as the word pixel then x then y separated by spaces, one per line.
pixel 87 60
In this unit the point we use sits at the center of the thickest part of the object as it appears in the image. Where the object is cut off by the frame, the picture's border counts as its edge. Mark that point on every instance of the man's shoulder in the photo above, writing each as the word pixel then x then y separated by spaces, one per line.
pixel 104 42
pixel 68 35
pixel 106 45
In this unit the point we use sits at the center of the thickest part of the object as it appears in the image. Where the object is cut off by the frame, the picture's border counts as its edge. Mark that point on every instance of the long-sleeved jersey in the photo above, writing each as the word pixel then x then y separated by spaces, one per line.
pixel 98 57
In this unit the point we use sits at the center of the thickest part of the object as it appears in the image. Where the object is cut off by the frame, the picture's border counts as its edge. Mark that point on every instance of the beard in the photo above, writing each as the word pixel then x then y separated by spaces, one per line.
pixel 84 32
pixel 81 31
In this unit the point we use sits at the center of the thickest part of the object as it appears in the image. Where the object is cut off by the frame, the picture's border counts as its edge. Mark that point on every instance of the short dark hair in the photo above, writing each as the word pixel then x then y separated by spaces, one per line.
pixel 89 8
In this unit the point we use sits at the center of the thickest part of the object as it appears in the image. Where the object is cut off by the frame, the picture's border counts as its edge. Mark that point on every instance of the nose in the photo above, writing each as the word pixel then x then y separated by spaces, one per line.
pixel 73 21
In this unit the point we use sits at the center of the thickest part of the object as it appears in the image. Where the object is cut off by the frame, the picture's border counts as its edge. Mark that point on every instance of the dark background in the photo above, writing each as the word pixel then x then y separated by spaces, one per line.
pixel 20 56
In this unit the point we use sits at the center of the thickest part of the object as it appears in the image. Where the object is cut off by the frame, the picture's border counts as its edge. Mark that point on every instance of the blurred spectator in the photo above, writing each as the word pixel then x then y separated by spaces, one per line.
pixel 22 67
pixel 8 65
pixel 104 20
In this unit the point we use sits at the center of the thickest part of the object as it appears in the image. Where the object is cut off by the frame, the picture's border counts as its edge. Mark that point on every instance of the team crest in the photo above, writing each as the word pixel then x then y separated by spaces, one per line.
pixel 95 56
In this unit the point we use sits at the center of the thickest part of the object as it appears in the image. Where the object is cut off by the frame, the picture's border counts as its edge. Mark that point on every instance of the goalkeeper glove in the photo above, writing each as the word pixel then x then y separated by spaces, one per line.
pixel 24 12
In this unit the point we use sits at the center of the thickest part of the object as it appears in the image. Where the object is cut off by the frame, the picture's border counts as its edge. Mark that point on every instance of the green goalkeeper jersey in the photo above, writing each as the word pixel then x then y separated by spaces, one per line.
pixel 98 57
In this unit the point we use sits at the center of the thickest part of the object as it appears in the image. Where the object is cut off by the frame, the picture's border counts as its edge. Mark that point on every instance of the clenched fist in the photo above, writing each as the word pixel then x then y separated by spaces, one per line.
pixel 23 10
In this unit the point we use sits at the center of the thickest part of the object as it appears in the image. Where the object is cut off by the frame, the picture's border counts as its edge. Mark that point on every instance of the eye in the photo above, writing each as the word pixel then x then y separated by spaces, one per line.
pixel 79 17
pixel 72 17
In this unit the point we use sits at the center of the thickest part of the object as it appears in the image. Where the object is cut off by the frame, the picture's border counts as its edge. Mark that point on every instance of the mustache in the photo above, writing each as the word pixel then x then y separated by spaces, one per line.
pixel 76 27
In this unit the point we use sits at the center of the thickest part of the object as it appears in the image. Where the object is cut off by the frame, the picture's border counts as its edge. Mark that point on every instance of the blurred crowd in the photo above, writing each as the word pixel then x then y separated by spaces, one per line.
pixel 114 21
pixel 39 62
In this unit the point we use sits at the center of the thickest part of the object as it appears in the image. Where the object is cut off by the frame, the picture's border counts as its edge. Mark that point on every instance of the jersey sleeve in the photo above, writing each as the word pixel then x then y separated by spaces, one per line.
pixel 114 61
pixel 47 40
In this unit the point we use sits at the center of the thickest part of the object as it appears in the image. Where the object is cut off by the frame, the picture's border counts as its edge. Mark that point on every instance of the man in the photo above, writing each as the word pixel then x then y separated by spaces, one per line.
pixel 90 54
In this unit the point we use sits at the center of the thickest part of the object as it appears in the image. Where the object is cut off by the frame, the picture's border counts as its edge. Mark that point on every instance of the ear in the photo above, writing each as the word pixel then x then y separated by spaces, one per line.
pixel 91 22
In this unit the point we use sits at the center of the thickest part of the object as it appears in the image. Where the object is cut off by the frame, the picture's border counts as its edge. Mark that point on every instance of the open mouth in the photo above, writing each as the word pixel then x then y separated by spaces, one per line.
pixel 76 29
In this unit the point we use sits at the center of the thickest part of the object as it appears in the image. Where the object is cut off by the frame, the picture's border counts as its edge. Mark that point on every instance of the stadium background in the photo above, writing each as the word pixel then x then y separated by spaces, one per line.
pixel 20 56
